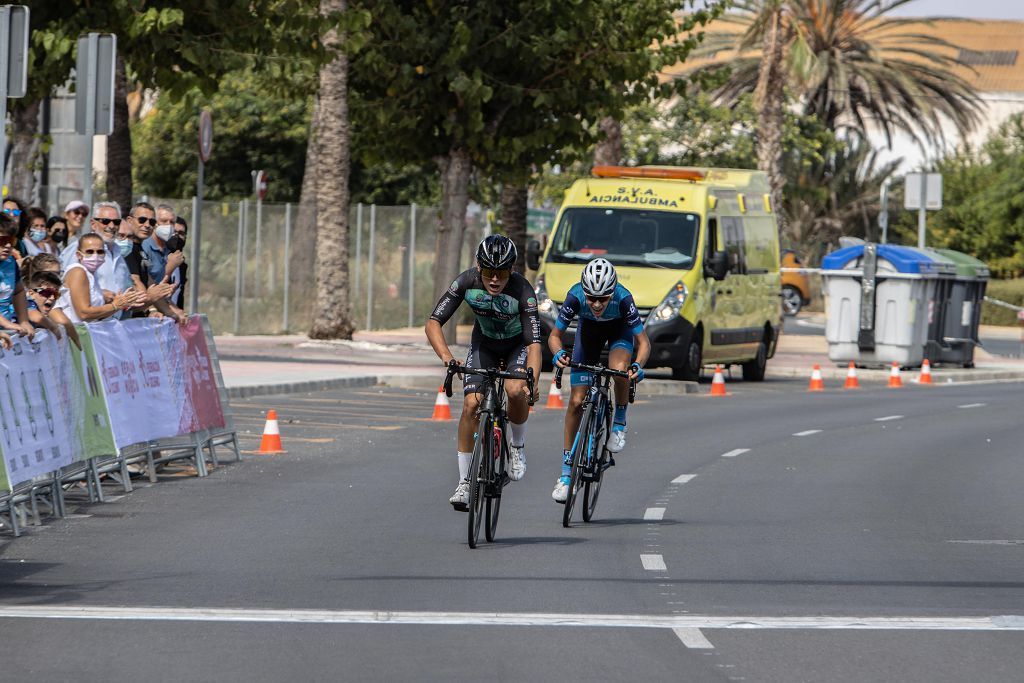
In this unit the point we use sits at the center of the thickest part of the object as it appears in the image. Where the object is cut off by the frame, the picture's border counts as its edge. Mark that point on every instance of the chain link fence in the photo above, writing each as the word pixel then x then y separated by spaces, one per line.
pixel 391 264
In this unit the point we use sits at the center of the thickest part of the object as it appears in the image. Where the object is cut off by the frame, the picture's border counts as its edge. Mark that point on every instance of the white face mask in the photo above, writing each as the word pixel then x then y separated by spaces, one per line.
pixel 164 232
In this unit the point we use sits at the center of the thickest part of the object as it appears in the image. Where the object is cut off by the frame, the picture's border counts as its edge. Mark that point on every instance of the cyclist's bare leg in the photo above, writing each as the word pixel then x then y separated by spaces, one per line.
pixel 518 406
pixel 618 359
pixel 574 413
pixel 468 422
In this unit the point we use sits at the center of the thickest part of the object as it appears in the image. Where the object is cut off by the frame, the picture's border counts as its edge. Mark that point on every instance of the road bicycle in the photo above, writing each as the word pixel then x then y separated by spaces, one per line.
pixel 590 454
pixel 490 448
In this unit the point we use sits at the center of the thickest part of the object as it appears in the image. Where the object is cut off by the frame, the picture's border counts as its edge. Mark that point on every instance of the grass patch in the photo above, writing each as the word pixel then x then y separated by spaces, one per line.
pixel 1010 291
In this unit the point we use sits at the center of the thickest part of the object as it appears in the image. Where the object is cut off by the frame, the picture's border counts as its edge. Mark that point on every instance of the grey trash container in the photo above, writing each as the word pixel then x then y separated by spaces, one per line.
pixel 962 314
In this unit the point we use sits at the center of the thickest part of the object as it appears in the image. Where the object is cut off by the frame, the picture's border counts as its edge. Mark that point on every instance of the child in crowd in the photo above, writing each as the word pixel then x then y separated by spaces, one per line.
pixel 42 272
pixel 13 305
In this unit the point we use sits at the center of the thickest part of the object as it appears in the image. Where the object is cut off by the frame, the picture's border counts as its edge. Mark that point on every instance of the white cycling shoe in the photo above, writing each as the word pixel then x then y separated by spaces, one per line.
pixel 561 491
pixel 460 499
pixel 516 462
pixel 617 441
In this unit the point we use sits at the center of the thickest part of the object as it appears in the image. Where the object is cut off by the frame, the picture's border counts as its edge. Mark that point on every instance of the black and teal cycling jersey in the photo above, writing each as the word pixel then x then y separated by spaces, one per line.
pixel 509 315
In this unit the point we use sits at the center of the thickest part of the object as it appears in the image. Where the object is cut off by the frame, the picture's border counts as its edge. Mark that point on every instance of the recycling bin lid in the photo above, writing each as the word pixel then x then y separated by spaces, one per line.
pixel 967 267
pixel 904 259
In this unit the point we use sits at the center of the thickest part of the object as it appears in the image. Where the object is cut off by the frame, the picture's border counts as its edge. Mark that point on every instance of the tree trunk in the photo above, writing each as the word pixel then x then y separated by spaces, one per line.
pixel 303 242
pixel 119 144
pixel 769 99
pixel 331 319
pixel 514 199
pixel 455 169
pixel 608 151
pixel 24 152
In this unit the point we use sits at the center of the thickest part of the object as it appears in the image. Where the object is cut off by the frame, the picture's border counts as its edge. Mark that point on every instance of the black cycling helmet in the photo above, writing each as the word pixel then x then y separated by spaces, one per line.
pixel 496 251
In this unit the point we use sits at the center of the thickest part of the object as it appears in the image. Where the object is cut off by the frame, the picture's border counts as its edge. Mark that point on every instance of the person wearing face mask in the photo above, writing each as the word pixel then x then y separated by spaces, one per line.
pixel 82 300
pixel 180 276
pixel 162 261
pixel 38 239
pixel 113 275
pixel 13 305
pixel 57 227
pixel 156 294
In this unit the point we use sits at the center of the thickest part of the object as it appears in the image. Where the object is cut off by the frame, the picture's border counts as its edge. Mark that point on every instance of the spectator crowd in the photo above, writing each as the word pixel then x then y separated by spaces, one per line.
pixel 87 265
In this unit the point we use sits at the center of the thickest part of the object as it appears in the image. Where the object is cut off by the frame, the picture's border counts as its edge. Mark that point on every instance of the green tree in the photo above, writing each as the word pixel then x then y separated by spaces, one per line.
pixel 504 86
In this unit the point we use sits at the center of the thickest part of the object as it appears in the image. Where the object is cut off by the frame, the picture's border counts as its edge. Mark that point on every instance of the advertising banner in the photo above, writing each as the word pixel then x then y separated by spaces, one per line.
pixel 41 408
pixel 97 435
pixel 206 411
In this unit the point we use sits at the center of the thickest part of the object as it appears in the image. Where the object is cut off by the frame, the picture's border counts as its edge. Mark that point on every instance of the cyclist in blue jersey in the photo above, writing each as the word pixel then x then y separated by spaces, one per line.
pixel 507 329
pixel 607 315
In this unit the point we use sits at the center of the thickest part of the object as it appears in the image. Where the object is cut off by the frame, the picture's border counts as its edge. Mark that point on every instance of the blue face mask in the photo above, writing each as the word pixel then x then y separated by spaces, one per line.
pixel 37 235
pixel 124 245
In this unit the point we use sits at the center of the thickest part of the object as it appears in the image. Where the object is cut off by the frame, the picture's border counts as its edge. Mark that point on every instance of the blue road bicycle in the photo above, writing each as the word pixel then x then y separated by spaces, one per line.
pixel 590 454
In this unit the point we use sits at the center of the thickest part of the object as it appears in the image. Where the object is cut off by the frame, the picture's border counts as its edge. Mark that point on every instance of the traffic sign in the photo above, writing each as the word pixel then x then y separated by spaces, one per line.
pixel 15 35
pixel 94 84
pixel 205 135
pixel 923 191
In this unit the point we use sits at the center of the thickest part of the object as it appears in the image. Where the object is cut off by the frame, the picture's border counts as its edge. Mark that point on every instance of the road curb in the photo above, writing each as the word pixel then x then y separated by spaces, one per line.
pixel 301 387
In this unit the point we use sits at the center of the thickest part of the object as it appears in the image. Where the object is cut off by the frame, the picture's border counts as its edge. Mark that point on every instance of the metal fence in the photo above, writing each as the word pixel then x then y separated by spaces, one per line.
pixel 391 261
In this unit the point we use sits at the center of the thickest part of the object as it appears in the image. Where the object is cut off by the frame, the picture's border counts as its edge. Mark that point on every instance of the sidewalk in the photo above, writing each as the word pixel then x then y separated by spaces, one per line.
pixel 259 365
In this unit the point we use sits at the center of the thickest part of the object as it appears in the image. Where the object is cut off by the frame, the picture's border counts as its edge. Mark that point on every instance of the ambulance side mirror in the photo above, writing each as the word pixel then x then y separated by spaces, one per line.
pixel 533 252
pixel 717 265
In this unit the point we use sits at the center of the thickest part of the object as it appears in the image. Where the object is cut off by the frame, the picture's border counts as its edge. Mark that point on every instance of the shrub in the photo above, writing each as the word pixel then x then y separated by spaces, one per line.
pixel 1010 291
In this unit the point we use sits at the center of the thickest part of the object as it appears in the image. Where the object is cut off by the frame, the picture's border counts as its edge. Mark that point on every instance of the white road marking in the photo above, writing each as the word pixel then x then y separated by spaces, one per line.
pixel 808 432
pixel 653 563
pixel 683 478
pixel 734 452
pixel 887 418
pixel 990 542
pixel 1005 623
pixel 973 405
pixel 693 638
pixel 654 513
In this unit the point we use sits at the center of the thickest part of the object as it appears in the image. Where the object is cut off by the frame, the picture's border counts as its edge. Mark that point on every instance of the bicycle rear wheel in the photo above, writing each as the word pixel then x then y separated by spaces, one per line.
pixel 592 488
pixel 579 454
pixel 498 482
pixel 478 477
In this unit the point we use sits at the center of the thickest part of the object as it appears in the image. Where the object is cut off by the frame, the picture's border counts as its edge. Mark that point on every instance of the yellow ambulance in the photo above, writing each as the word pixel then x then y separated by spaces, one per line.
pixel 697 247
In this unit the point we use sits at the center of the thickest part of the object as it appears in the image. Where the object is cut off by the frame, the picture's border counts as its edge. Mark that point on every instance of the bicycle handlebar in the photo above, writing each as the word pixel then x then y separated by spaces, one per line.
pixel 597 370
pixel 491 373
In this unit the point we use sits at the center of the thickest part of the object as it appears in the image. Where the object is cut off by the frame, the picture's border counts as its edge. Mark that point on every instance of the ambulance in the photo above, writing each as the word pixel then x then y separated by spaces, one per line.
pixel 697 247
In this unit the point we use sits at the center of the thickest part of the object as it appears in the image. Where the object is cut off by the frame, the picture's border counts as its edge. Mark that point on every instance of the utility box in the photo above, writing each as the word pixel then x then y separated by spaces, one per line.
pixel 881 302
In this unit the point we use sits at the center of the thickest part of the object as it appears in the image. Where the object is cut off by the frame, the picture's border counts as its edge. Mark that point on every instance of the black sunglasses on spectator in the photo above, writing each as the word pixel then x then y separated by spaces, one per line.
pixel 143 220
pixel 93 252
pixel 108 221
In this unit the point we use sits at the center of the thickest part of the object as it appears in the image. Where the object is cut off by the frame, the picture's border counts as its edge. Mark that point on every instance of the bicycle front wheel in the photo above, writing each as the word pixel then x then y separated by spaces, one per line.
pixel 579 456
pixel 478 478
pixel 592 487
pixel 498 480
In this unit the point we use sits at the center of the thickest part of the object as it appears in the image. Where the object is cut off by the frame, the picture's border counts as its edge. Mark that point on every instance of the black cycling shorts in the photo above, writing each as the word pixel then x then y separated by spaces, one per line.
pixel 591 337
pixel 486 352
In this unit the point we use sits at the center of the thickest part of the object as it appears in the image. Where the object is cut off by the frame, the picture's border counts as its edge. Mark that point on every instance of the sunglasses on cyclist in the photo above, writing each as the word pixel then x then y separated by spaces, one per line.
pixel 142 220
pixel 8 240
pixel 46 292
pixel 13 212
pixel 598 299
pixel 107 221
pixel 500 273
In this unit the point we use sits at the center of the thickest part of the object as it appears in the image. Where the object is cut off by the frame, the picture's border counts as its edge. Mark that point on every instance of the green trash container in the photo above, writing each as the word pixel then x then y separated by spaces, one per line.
pixel 962 313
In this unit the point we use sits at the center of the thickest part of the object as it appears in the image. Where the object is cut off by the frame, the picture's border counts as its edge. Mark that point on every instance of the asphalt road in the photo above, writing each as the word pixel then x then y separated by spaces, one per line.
pixel 1008 348
pixel 772 535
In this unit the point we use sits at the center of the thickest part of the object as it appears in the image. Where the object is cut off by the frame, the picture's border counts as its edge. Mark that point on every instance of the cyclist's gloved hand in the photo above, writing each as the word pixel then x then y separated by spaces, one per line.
pixel 637 372
pixel 561 359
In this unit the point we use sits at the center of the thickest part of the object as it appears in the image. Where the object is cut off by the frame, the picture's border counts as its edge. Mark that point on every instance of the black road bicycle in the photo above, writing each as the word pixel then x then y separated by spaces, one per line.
pixel 590 454
pixel 490 450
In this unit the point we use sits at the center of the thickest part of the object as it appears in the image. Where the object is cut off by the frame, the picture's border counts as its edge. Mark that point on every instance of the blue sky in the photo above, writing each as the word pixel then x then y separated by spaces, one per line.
pixel 974 9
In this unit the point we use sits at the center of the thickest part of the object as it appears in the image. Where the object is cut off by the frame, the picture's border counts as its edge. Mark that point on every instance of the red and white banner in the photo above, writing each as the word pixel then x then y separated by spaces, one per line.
pixel 206 412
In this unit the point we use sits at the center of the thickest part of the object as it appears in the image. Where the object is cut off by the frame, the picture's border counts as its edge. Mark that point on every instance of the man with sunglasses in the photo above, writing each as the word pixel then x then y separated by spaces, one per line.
pixel 609 316
pixel 113 275
pixel 507 328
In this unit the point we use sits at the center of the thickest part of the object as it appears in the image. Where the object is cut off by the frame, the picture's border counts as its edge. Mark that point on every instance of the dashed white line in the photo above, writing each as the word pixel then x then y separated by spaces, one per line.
pixel 808 432
pixel 693 638
pixel 683 478
pixel 973 405
pixel 887 418
pixel 734 452
pixel 653 563
pixel 654 513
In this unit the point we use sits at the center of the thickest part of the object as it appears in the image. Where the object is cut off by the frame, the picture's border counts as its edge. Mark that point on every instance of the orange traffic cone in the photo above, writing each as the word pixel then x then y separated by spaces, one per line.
pixel 851 378
pixel 718 383
pixel 926 373
pixel 894 376
pixel 817 384
pixel 554 396
pixel 270 444
pixel 442 409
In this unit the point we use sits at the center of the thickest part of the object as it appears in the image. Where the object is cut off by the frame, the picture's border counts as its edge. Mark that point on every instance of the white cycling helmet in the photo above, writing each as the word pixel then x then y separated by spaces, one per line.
pixel 599 278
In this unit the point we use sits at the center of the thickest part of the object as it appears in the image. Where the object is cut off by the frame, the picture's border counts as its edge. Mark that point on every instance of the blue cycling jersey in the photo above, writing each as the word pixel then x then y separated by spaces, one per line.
pixel 621 307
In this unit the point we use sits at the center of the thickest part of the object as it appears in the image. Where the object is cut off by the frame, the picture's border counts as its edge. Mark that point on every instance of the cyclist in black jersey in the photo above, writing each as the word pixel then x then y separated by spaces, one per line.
pixel 507 328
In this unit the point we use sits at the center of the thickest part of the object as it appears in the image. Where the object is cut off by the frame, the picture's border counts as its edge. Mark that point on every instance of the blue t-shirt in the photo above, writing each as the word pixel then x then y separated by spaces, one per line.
pixel 157 260
pixel 621 306
pixel 9 278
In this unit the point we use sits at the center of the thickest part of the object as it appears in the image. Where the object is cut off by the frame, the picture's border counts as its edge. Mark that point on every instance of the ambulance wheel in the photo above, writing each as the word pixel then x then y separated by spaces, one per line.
pixel 753 370
pixel 692 362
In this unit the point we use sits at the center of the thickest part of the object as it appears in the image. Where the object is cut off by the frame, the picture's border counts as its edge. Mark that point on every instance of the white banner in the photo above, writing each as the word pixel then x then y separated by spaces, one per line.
pixel 41 408
pixel 142 367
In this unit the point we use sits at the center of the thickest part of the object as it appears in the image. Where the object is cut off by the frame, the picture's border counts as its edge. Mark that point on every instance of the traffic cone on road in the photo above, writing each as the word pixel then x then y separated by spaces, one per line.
pixel 718 383
pixel 442 409
pixel 817 384
pixel 926 373
pixel 851 378
pixel 270 444
pixel 554 397
pixel 894 376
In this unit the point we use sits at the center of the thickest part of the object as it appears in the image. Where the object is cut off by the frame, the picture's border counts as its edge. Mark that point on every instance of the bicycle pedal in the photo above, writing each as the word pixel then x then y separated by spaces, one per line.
pixel 610 463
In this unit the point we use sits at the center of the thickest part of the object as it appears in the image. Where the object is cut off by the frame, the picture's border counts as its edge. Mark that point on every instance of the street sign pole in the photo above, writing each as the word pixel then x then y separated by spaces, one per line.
pixel 883 214
pixel 205 148
pixel 14 21
pixel 922 215
pixel 923 192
